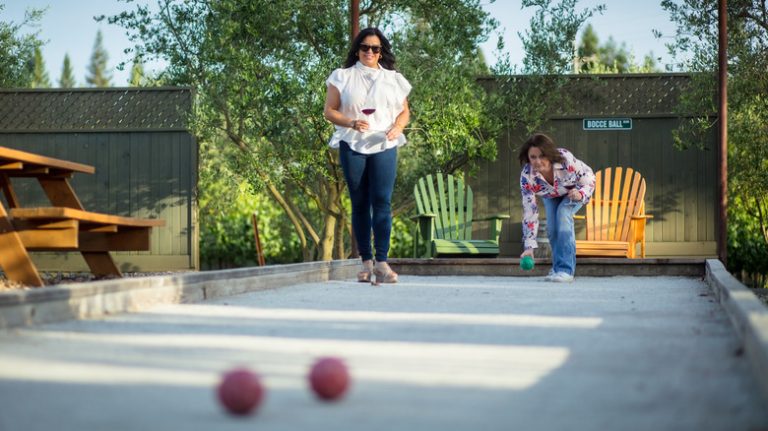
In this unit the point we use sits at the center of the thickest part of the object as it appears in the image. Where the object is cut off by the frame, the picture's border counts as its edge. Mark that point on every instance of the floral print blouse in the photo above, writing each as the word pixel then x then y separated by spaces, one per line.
pixel 572 173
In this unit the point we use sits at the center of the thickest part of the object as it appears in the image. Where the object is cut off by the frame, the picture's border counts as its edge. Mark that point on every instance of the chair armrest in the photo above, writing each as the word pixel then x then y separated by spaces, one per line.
pixel 496 222
pixel 641 217
pixel 494 217
pixel 579 217
pixel 423 216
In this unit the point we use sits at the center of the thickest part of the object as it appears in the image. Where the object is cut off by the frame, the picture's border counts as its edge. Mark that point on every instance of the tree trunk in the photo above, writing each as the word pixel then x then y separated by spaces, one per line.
pixel 340 252
pixel 327 240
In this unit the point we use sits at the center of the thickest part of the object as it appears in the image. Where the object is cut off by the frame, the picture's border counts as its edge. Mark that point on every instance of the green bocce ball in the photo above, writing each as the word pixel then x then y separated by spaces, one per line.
pixel 526 263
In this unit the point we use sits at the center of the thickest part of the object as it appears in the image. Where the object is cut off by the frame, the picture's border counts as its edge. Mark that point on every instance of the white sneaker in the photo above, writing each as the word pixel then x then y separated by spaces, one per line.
pixel 550 275
pixel 561 277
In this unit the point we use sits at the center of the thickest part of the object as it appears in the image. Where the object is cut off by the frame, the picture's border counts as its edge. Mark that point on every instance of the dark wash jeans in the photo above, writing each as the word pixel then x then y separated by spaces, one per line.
pixel 370 180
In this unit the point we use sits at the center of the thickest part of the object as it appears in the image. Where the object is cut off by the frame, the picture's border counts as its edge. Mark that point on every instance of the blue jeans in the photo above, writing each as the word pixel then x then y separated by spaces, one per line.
pixel 562 237
pixel 370 180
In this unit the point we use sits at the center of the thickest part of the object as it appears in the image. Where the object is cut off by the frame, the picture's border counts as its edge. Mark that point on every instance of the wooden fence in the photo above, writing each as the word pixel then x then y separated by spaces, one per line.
pixel 681 184
pixel 145 159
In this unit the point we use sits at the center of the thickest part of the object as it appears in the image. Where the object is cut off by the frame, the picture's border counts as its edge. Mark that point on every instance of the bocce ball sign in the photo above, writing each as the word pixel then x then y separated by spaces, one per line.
pixel 607 124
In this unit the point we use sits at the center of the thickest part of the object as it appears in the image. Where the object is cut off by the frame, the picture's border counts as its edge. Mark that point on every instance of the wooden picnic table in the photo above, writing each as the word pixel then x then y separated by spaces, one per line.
pixel 65 225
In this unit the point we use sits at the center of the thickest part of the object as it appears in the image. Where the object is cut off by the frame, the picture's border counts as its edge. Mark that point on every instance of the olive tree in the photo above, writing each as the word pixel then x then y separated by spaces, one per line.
pixel 259 68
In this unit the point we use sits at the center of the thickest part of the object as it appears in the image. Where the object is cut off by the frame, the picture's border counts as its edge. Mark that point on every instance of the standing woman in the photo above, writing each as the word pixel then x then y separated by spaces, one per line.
pixel 367 101
pixel 565 184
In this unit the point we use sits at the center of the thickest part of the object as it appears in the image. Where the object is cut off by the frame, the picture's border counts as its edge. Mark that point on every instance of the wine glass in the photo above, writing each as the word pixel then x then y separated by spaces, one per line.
pixel 368 112
pixel 569 188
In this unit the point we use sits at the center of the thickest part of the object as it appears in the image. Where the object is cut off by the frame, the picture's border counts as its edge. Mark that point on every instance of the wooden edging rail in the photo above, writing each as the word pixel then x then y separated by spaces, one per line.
pixel 748 316
pixel 94 299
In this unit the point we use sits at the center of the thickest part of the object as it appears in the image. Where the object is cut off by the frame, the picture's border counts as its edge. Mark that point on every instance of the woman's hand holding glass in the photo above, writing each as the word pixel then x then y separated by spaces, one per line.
pixel 360 125
pixel 575 195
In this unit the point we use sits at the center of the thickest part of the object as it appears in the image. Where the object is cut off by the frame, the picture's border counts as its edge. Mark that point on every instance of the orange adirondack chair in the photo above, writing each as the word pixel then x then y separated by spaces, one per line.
pixel 615 215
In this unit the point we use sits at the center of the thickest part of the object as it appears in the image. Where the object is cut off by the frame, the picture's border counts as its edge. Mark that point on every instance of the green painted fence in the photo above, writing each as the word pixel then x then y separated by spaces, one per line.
pixel 682 185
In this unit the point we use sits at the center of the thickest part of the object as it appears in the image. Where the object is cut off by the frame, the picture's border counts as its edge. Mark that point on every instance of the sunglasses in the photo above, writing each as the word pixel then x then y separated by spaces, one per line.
pixel 366 48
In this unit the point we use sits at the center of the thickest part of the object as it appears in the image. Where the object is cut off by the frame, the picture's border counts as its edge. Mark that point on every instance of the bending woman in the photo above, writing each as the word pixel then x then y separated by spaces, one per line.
pixel 565 184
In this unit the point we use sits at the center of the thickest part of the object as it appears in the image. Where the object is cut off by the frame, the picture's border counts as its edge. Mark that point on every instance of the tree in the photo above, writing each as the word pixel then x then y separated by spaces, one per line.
pixel 610 57
pixel 40 77
pixel 98 74
pixel 67 79
pixel 549 55
pixel 696 41
pixel 137 73
pixel 259 71
pixel 588 48
pixel 16 49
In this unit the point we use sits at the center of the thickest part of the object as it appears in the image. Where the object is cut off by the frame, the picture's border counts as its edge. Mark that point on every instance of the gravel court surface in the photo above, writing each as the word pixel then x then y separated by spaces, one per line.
pixel 430 353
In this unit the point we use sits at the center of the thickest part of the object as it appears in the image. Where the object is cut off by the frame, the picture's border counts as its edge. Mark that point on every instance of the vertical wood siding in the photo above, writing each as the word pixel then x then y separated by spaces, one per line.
pixel 681 184
pixel 139 174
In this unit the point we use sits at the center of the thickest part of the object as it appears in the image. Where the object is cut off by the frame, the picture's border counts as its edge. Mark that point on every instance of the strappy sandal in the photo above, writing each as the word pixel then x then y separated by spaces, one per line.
pixel 383 274
pixel 364 276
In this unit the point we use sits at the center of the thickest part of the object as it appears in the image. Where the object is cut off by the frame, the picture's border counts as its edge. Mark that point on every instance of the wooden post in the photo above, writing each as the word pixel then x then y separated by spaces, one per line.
pixel 722 243
pixel 257 239
pixel 354 16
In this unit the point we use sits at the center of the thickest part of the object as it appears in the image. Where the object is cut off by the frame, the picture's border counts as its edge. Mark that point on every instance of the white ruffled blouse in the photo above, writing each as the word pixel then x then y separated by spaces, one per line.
pixel 362 87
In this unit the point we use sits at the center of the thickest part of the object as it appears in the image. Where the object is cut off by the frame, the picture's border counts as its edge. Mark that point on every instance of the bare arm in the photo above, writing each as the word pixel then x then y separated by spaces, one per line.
pixel 332 113
pixel 400 122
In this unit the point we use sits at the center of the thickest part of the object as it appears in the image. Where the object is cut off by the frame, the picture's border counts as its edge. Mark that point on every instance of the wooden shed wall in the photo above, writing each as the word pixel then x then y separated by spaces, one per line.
pixel 682 185
pixel 143 170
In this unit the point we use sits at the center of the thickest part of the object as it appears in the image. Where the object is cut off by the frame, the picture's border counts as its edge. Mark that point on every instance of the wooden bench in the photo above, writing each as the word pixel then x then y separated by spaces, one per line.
pixel 65 226
pixel 62 229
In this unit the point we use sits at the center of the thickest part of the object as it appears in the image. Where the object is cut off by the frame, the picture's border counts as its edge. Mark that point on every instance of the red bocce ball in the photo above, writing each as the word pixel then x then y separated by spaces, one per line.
pixel 329 378
pixel 240 391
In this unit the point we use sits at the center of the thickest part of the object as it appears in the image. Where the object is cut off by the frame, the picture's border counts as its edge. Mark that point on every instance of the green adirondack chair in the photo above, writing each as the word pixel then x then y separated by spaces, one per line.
pixel 444 220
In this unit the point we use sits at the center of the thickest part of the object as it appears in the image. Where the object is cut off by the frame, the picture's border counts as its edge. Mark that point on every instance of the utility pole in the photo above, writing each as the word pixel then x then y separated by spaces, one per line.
pixel 354 16
pixel 722 242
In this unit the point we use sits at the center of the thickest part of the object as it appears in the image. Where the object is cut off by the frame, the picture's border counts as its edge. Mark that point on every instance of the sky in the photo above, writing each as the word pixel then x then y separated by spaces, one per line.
pixel 68 27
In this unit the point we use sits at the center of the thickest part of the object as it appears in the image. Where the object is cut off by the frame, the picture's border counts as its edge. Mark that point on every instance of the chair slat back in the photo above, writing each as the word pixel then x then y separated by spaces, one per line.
pixel 450 199
pixel 619 195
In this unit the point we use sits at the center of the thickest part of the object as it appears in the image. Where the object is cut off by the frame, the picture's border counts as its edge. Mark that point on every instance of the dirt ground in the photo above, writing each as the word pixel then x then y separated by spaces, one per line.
pixel 54 278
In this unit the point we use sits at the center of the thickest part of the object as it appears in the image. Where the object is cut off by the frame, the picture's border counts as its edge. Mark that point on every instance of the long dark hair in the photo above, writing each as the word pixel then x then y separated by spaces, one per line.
pixel 545 144
pixel 387 60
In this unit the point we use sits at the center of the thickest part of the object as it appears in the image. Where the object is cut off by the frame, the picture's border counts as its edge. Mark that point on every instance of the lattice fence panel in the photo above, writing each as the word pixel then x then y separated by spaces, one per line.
pixel 94 110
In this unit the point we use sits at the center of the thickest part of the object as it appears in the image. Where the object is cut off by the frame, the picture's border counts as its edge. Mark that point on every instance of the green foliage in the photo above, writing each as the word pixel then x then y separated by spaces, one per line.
pixel 549 54
pixel 549 41
pixel 259 71
pixel 98 73
pixel 227 205
pixel 67 79
pixel 609 57
pixel 137 73
pixel 40 77
pixel 17 49
pixel 697 40
pixel 747 253
pixel 401 241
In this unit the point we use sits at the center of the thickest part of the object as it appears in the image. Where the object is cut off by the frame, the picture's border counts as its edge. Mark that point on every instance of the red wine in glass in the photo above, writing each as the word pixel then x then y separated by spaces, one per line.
pixel 368 111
